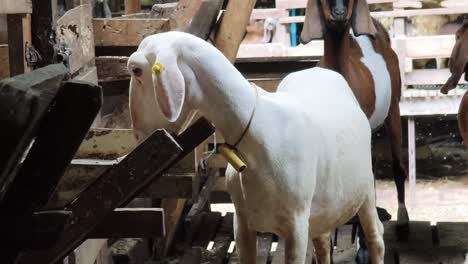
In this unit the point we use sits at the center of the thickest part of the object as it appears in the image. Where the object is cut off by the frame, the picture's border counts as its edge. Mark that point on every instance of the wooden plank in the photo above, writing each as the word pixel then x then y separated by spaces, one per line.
pixel 106 144
pixel 16 7
pixel 125 31
pixel 223 239
pixel 173 209
pixel 207 230
pixel 454 3
pixel 19 35
pixel 433 256
pixel 420 236
pixel 4 62
pixel 112 68
pixel 203 22
pixel 429 77
pixel 202 201
pixel 132 6
pixel 23 103
pixel 232 28
pixel 161 152
pixel 453 234
pixel 264 241
pixel 131 222
pixel 75 30
pixel 185 11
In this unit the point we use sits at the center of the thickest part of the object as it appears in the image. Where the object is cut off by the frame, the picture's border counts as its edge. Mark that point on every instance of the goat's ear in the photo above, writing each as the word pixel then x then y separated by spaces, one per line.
pixel 314 24
pixel 169 85
pixel 458 64
pixel 361 20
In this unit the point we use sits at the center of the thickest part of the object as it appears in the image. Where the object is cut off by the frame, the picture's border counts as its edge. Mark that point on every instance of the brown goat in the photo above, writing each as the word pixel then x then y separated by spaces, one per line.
pixel 366 60
pixel 458 65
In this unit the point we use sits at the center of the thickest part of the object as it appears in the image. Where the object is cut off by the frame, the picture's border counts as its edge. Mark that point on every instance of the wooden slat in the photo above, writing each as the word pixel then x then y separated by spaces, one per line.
pixel 429 77
pixel 173 209
pixel 453 234
pixel 74 30
pixel 44 16
pixel 16 7
pixel 132 6
pixel 112 68
pixel 207 230
pixel 125 31
pixel 4 62
pixel 185 11
pixel 19 33
pixel 131 222
pixel 204 20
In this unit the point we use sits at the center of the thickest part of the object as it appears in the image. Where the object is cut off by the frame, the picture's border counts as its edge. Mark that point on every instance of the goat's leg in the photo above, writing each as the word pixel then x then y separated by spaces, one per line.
pixel 246 239
pixel 393 126
pixel 297 239
pixel 322 248
pixel 373 230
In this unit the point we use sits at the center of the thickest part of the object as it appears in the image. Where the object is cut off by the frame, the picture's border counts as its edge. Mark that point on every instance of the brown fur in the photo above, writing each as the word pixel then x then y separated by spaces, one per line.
pixel 343 54
pixel 459 65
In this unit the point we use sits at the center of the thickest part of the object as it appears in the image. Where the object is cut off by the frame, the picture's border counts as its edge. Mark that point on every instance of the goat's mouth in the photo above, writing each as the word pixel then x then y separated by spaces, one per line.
pixel 338 22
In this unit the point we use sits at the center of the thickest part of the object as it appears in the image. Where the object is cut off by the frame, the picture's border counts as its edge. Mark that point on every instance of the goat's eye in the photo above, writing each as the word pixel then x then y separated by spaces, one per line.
pixel 137 72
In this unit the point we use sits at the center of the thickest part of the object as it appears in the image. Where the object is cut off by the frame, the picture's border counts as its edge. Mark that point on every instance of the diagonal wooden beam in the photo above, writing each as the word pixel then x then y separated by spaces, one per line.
pixel 233 26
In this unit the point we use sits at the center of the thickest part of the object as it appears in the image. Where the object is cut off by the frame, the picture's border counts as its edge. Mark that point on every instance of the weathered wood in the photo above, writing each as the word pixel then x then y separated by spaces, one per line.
pixel 106 144
pixel 117 187
pixel 74 30
pixel 44 16
pixel 163 10
pixel 16 7
pixel 112 68
pixel 207 230
pixel 185 11
pixel 204 196
pixel 19 36
pixel 130 250
pixel 4 62
pixel 23 103
pixel 132 6
pixel 453 234
pixel 205 19
pixel 232 28
pixel 293 4
pixel 223 239
pixel 173 209
pixel 131 222
pixel 125 31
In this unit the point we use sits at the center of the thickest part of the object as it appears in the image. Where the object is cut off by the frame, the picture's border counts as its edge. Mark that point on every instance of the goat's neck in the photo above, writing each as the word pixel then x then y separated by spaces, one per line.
pixel 336 43
pixel 219 91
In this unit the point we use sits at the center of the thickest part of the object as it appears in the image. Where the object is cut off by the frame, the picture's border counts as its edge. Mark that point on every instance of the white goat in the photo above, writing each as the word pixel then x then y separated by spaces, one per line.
pixel 307 148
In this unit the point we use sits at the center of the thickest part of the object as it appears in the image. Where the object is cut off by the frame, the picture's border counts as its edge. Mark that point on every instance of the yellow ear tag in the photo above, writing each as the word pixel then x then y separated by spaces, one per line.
pixel 157 68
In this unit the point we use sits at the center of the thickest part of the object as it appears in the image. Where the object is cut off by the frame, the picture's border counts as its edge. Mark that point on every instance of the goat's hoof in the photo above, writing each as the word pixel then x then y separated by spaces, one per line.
pixel 362 256
pixel 402 227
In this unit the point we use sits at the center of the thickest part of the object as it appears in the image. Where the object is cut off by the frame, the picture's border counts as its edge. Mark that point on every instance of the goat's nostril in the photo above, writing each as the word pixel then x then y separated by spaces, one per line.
pixel 338 11
pixel 137 72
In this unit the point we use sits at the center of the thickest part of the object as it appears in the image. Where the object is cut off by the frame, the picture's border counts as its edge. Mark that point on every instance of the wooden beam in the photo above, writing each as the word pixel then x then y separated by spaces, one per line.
pixel 131 222
pixel 125 31
pixel 132 6
pixel 296 4
pixel 185 11
pixel 232 28
pixel 4 62
pixel 412 159
pixel 112 68
pixel 205 19
pixel 16 7
pixel 19 36
pixel 74 31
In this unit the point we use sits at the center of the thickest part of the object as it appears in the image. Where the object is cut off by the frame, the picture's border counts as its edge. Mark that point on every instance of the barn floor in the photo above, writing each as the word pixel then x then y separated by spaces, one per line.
pixel 438 231
pixel 445 242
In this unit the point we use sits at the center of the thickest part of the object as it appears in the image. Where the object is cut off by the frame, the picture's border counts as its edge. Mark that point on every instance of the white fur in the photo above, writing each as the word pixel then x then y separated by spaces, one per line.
pixel 383 84
pixel 307 149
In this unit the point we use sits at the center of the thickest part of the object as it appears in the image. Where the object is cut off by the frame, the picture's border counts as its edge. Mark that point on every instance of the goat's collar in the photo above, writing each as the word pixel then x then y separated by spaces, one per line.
pixel 234 146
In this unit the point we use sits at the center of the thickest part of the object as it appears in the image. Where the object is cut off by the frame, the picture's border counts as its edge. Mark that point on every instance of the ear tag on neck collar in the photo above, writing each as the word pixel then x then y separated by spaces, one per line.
pixel 157 68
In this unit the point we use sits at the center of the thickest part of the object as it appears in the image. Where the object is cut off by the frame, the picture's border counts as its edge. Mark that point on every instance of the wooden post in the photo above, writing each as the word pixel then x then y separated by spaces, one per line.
pixel 412 158
pixel 233 26
pixel 132 6
pixel 19 37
